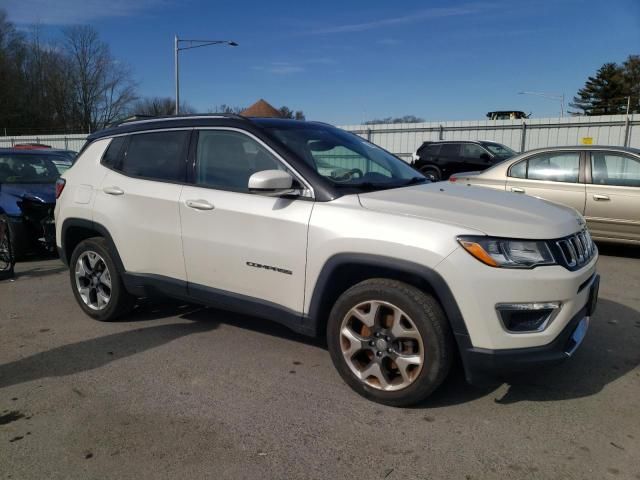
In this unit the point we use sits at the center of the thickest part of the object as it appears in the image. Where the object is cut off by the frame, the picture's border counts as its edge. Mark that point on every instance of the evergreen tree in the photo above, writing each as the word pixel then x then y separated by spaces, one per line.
pixel 603 94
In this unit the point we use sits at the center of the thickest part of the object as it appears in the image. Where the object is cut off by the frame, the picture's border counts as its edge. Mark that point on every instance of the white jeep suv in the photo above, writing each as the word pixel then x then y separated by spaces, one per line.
pixel 315 228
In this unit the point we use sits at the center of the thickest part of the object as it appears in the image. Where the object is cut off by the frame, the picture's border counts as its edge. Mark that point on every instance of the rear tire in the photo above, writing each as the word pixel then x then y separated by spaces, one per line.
pixel 390 341
pixel 96 282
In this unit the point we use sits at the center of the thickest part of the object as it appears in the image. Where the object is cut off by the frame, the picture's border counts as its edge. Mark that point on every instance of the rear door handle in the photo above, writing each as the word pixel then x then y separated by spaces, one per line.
pixel 113 190
pixel 517 190
pixel 603 198
pixel 199 205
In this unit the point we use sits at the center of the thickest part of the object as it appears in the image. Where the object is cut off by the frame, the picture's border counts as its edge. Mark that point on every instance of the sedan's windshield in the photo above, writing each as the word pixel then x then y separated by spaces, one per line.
pixel 499 150
pixel 346 159
pixel 29 168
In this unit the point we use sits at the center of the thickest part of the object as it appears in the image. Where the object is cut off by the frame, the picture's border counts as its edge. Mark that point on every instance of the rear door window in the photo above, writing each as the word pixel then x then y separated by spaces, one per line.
pixel 555 167
pixel 157 156
pixel 450 150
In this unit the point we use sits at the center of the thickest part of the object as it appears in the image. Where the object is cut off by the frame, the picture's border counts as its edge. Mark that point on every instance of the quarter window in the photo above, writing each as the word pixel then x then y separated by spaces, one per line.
pixel 112 156
pixel 615 169
pixel 555 167
pixel 227 159
pixel 519 170
pixel 157 156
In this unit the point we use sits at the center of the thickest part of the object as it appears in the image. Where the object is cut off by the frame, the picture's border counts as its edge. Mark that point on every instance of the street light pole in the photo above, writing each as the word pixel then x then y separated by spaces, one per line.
pixel 549 96
pixel 192 44
pixel 176 76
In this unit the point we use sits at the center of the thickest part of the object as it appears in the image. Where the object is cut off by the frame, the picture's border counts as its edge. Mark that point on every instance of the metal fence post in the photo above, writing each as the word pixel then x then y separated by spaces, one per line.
pixel 441 133
pixel 368 134
pixel 523 138
pixel 66 143
pixel 627 128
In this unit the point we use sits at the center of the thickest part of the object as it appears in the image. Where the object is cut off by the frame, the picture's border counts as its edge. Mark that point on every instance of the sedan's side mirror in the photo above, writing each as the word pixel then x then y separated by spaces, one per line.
pixel 271 182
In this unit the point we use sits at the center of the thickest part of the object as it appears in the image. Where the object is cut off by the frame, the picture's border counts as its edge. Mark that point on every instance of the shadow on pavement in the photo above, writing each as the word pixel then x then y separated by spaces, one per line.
pixel 611 350
pixel 96 352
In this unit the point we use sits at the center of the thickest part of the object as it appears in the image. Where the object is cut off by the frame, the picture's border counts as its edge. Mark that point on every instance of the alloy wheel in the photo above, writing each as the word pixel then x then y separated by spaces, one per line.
pixel 381 345
pixel 93 280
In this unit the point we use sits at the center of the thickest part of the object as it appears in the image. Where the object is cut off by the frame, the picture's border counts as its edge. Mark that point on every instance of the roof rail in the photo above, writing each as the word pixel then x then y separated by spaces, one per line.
pixel 150 118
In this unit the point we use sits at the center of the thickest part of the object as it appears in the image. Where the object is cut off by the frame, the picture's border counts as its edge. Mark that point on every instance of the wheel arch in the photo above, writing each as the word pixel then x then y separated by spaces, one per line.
pixel 344 270
pixel 75 230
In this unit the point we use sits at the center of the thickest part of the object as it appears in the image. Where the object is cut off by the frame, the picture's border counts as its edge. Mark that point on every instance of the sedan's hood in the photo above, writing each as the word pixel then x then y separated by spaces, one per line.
pixel 39 192
pixel 492 212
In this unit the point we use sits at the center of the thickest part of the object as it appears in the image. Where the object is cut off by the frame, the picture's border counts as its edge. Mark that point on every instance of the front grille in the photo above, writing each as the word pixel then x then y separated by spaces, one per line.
pixel 577 249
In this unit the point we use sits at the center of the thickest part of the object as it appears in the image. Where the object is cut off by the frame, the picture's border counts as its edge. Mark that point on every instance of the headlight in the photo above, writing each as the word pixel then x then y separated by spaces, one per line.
pixel 506 253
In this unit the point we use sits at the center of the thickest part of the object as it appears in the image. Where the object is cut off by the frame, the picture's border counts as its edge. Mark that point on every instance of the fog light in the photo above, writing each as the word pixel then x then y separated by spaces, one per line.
pixel 527 317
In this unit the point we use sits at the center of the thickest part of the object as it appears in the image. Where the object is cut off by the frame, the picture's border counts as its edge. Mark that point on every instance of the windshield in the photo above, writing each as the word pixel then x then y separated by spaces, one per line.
pixel 499 150
pixel 346 159
pixel 31 168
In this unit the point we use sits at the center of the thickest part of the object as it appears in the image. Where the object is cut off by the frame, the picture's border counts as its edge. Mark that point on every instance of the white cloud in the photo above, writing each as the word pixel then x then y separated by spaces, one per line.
pixel 68 12
pixel 280 68
pixel 415 17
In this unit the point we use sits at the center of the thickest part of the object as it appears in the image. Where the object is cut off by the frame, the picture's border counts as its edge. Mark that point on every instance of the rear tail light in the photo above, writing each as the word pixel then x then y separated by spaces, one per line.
pixel 453 179
pixel 60 183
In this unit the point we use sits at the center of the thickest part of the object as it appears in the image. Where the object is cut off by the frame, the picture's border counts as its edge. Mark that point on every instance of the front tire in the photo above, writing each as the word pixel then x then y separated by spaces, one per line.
pixel 96 282
pixel 390 341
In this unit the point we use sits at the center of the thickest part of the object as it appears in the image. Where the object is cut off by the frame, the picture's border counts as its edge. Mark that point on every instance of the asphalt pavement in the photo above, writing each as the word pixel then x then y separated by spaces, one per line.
pixel 180 391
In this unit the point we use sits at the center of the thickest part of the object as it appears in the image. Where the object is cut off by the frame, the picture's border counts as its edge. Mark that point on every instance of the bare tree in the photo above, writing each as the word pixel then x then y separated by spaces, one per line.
pixel 158 106
pixel 103 88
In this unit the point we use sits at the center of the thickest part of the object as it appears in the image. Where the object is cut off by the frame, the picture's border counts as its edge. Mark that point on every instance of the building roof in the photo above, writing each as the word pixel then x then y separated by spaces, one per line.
pixel 261 109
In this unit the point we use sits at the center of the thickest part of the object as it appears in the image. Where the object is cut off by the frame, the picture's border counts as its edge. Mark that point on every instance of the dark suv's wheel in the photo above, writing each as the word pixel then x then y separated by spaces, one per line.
pixel 431 173
pixel 390 341
pixel 96 282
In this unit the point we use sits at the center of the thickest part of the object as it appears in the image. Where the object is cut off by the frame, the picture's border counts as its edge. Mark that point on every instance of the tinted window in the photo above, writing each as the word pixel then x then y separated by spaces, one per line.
pixel 555 167
pixel 31 168
pixel 615 169
pixel 471 150
pixel 226 159
pixel 159 155
pixel 450 149
pixel 519 170
pixel 112 156
pixel 433 149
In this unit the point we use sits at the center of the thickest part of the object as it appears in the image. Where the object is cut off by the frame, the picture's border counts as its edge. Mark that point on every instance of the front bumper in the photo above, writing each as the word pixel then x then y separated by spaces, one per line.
pixel 484 366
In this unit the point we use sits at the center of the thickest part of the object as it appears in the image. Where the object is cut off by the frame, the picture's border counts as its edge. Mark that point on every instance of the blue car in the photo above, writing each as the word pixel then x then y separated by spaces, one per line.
pixel 27 198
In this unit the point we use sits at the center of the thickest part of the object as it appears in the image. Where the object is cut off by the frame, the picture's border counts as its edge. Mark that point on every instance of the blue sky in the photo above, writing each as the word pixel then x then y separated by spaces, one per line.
pixel 348 61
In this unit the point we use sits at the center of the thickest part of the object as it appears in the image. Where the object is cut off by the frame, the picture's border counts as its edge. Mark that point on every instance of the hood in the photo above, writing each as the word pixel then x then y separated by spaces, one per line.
pixel 39 192
pixel 492 212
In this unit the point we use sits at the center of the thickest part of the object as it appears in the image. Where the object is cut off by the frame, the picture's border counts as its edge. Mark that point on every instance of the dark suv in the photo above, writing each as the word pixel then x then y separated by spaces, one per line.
pixel 439 160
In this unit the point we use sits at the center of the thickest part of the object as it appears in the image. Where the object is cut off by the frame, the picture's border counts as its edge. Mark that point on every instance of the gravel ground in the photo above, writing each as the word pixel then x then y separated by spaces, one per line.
pixel 180 391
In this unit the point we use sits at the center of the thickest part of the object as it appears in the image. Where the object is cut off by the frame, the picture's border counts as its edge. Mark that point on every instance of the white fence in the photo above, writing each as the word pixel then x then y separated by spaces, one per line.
pixel 65 142
pixel 404 138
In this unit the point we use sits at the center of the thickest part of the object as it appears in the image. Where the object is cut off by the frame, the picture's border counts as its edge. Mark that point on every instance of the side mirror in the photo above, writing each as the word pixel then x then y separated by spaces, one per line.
pixel 271 182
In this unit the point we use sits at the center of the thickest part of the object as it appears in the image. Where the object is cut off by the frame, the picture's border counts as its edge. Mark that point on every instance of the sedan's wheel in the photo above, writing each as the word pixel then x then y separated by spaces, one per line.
pixel 390 341
pixel 6 252
pixel 96 282
pixel 381 345
pixel 93 280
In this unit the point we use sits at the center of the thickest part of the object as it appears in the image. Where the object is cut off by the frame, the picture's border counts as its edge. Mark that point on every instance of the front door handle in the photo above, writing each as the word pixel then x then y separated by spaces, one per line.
pixel 113 190
pixel 517 190
pixel 601 198
pixel 199 205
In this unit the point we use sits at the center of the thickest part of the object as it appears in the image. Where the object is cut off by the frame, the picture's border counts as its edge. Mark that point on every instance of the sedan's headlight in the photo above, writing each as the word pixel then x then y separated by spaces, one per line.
pixel 506 253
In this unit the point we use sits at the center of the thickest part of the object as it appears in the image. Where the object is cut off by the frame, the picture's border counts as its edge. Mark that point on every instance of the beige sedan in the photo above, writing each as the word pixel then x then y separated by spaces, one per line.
pixel 602 183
